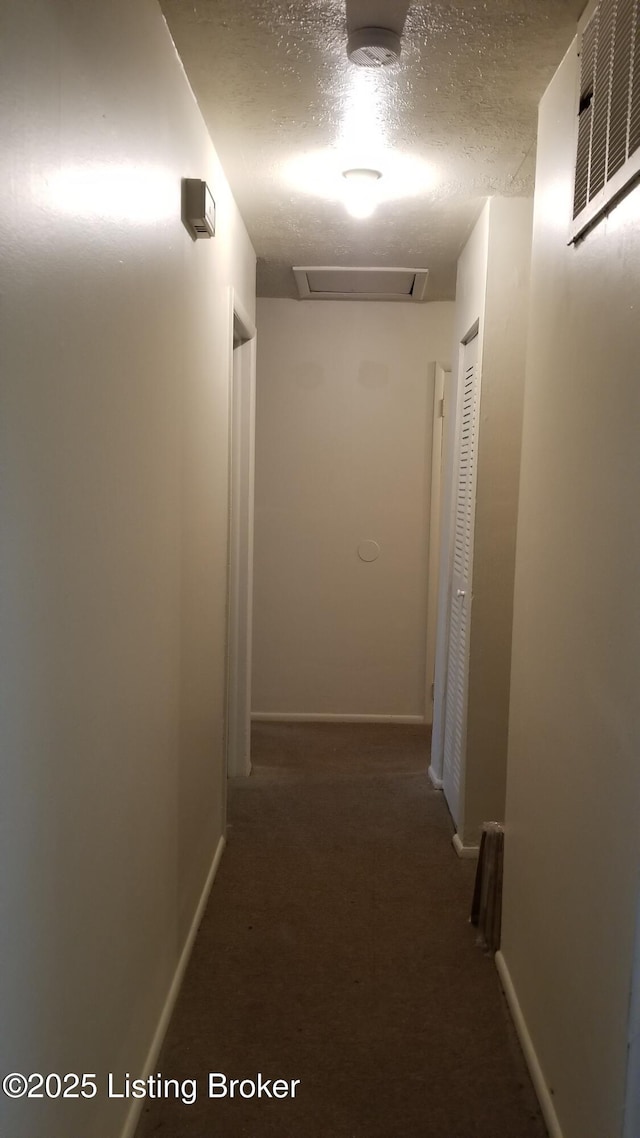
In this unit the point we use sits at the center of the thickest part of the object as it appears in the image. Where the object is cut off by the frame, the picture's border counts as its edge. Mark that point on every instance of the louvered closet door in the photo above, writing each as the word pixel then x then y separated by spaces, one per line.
pixel 460 608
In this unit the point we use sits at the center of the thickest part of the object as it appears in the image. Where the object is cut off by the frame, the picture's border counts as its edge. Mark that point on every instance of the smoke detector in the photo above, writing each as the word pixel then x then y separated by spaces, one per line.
pixel 373 47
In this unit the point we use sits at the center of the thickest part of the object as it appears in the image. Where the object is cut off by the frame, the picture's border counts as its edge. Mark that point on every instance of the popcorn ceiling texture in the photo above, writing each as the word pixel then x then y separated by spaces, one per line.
pixel 273 80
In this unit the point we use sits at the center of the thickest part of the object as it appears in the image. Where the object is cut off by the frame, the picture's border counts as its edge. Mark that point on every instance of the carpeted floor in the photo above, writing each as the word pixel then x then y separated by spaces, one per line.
pixel 336 950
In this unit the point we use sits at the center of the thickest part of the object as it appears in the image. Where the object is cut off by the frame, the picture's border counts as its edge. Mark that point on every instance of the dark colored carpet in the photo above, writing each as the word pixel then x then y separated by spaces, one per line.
pixel 336 949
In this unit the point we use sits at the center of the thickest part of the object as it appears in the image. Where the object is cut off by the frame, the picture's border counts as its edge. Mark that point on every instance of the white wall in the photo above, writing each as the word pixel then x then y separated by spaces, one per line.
pixel 343 453
pixel 573 797
pixel 114 433
pixel 498 470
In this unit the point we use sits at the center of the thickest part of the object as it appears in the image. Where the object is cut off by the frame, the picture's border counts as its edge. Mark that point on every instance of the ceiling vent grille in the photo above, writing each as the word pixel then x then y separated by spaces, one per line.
pixel 327 282
pixel 608 145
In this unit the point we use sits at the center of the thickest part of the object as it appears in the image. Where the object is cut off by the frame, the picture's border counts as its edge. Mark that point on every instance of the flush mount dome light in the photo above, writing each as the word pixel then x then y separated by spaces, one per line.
pixel 361 191
pixel 373 47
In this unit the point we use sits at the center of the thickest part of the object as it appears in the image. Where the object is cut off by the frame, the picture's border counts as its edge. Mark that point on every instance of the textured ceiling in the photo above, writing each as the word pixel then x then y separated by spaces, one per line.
pixel 452 122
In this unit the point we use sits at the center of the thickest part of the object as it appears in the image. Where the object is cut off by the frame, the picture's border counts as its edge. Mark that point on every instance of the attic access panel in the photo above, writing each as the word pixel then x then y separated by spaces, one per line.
pixel 331 282
pixel 608 136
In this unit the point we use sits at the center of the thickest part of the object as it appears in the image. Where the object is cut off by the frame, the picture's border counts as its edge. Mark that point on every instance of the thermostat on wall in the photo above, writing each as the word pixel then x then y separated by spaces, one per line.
pixel 199 208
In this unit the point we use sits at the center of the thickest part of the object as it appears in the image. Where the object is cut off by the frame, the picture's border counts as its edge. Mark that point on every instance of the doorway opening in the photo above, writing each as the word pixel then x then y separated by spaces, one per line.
pixel 440 460
pixel 241 514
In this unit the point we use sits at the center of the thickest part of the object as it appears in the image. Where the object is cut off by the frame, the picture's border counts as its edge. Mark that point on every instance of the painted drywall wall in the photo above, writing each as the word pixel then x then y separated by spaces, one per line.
pixel 343 454
pixel 573 796
pixel 114 434
pixel 497 482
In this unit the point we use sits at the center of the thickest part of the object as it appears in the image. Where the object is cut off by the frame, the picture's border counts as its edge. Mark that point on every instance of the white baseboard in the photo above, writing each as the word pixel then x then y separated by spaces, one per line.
pixel 330 717
pixel 462 850
pixel 535 1070
pixel 133 1117
pixel 435 778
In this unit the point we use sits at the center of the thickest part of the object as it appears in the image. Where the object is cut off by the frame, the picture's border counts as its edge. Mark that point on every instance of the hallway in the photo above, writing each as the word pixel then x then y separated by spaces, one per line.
pixel 335 949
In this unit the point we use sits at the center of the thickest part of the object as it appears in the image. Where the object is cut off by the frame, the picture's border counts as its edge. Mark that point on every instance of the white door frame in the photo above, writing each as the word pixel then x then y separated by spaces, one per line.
pixel 439 463
pixel 242 405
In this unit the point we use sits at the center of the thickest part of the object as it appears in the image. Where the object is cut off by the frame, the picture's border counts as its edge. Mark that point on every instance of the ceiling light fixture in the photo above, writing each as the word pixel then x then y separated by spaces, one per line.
pixel 361 191
pixel 319 173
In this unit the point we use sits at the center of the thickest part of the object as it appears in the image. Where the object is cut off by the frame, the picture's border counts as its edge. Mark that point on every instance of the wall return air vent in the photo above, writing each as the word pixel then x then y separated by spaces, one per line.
pixel 608 143
pixel 325 282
